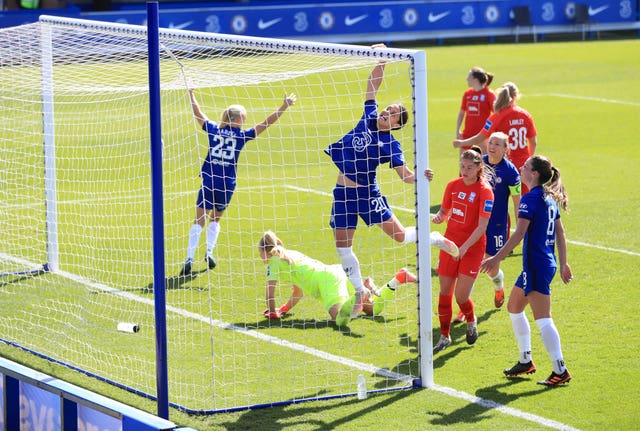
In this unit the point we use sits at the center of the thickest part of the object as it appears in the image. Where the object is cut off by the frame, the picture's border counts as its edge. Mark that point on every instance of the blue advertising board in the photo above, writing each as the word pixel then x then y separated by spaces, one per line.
pixel 360 20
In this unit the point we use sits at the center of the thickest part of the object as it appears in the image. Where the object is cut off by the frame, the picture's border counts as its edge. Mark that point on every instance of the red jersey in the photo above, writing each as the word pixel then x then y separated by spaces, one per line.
pixel 518 124
pixel 466 204
pixel 477 106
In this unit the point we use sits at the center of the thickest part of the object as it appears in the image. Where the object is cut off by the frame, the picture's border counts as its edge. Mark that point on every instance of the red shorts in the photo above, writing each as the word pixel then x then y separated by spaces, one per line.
pixel 469 265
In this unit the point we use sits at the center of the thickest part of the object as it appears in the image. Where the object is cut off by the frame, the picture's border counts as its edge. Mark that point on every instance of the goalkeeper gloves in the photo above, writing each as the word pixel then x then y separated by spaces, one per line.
pixel 271 315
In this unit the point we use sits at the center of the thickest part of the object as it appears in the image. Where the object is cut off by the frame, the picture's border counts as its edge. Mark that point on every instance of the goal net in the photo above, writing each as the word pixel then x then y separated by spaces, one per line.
pixel 76 255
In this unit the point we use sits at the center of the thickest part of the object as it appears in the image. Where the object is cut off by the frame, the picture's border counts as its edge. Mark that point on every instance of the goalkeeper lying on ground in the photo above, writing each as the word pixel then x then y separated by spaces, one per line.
pixel 327 283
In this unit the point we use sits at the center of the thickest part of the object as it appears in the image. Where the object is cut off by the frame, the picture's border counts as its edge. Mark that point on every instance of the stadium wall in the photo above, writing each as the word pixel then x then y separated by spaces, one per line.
pixel 33 400
pixel 360 21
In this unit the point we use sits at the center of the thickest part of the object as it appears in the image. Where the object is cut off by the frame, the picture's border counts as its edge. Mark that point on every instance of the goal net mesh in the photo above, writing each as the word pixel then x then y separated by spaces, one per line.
pixel 75 186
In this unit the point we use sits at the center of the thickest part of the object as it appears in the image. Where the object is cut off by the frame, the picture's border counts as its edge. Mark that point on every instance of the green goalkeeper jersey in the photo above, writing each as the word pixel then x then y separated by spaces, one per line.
pixel 327 283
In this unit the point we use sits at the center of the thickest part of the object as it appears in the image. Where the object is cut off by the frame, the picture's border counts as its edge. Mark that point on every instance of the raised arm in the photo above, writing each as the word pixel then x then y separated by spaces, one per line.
pixel 197 112
pixel 375 78
pixel 273 117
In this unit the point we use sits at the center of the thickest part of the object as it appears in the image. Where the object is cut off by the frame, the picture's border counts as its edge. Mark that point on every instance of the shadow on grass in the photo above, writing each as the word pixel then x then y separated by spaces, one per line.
pixel 491 398
pixel 314 415
pixel 11 279
pixel 176 282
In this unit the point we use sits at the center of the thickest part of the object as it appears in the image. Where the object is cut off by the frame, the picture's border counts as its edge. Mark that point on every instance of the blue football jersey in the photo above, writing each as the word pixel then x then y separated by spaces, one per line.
pixel 364 148
pixel 539 241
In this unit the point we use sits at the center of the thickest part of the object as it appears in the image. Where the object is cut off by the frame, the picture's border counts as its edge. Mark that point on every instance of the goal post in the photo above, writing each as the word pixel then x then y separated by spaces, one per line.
pixel 77 181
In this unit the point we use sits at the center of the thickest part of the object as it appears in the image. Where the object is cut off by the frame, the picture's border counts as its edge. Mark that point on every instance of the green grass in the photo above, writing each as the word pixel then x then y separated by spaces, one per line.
pixel 586 104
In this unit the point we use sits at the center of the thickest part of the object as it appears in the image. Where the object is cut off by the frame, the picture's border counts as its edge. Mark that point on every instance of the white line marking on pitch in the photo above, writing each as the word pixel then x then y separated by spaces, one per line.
pixel 383 372
pixel 411 210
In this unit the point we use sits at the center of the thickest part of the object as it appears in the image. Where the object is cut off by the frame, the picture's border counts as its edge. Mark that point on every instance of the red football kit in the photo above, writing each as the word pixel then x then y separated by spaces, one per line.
pixel 477 106
pixel 466 204
pixel 518 124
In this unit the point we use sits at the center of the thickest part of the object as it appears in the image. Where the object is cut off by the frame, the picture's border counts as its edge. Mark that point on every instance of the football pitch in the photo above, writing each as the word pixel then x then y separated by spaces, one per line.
pixel 585 99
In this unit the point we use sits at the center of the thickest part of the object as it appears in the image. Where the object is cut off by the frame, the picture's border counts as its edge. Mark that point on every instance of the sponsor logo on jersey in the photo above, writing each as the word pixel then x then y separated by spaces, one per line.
pixel 487 125
pixel 461 195
pixel 488 206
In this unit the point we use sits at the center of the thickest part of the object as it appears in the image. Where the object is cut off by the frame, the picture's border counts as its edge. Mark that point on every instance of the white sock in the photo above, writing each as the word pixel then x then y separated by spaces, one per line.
pixel 551 341
pixel 498 279
pixel 393 283
pixel 522 331
pixel 212 235
pixel 351 267
pixel 410 235
pixel 194 237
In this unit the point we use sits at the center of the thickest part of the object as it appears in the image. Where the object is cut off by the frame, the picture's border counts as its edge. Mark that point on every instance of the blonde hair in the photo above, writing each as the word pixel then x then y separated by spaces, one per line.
pixel 507 95
pixel 273 246
pixel 502 136
pixel 232 114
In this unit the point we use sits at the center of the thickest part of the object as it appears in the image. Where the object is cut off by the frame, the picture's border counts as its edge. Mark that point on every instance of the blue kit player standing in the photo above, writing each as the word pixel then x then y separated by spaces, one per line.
pixel 505 183
pixel 357 194
pixel 218 173
pixel 540 225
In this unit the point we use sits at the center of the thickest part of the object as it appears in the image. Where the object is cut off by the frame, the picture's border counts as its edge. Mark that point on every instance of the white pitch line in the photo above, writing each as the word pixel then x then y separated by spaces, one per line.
pixel 593 99
pixel 383 372
pixel 410 210
pixel 488 404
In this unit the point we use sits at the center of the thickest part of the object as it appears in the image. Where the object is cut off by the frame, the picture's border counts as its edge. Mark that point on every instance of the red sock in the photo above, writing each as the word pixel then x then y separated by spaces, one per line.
pixel 468 310
pixel 445 310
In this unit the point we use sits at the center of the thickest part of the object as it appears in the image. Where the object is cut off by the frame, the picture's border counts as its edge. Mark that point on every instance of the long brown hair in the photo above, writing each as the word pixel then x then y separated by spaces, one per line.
pixel 549 179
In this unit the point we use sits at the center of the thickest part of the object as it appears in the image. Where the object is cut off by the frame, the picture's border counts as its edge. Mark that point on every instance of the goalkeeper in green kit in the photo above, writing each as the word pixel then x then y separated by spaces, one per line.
pixel 327 283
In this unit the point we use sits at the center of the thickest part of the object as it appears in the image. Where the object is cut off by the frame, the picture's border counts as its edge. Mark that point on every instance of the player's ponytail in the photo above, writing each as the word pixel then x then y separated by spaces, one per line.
pixel 549 178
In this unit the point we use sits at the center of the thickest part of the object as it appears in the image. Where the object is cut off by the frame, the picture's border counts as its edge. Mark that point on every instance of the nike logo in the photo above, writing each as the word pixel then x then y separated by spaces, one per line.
pixel 180 26
pixel 437 17
pixel 348 21
pixel 262 25
pixel 597 10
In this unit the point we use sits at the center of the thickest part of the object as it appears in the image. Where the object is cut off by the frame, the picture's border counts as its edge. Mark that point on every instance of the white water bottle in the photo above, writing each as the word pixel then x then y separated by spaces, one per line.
pixel 362 387
pixel 128 327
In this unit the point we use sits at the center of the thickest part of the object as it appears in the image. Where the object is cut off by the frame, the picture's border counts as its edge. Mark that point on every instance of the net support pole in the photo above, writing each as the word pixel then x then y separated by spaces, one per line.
pixel 48 138
pixel 423 220
pixel 155 124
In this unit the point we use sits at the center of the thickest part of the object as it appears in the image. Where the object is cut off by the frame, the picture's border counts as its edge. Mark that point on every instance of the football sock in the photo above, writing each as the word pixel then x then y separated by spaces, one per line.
pixel 410 235
pixel 468 310
pixel 212 235
pixel 498 279
pixel 194 237
pixel 351 267
pixel 551 341
pixel 445 310
pixel 522 331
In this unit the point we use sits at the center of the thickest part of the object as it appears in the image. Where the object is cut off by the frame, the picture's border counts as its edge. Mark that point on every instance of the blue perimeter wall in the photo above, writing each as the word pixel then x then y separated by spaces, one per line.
pixel 355 21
